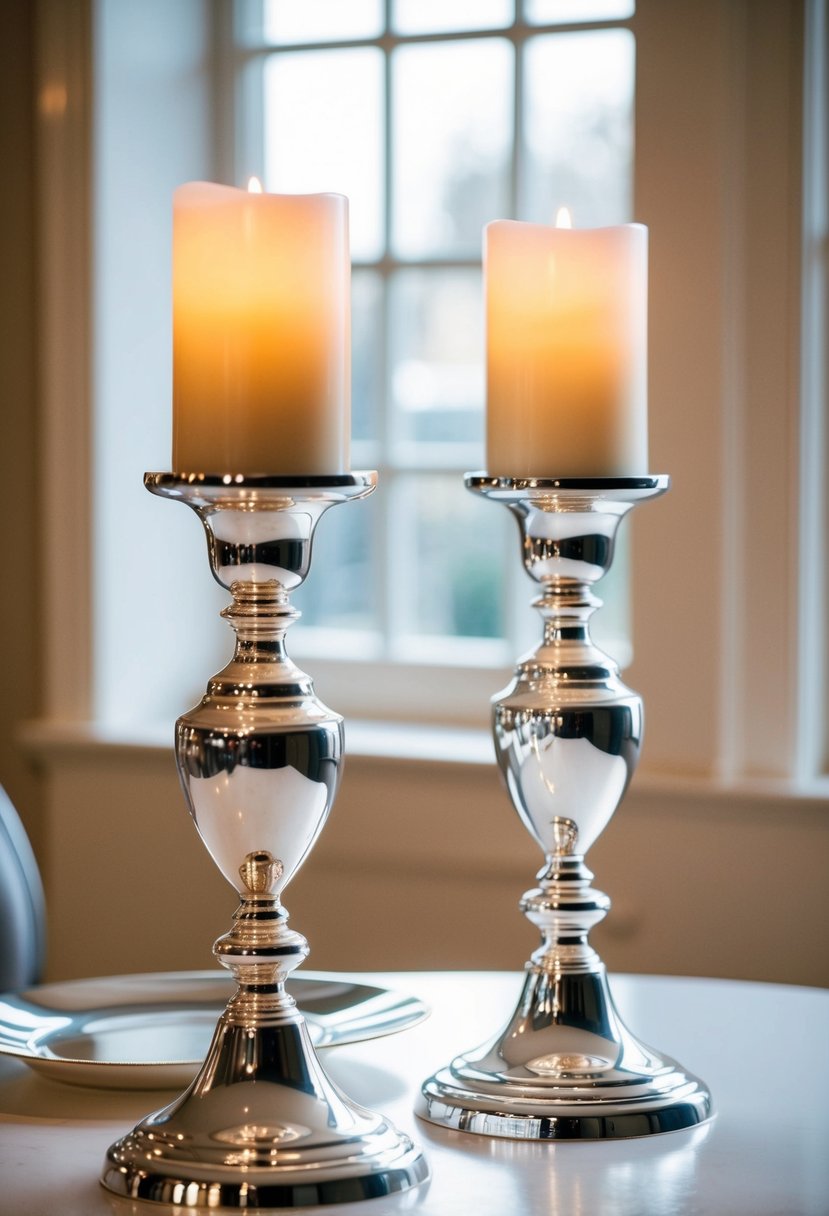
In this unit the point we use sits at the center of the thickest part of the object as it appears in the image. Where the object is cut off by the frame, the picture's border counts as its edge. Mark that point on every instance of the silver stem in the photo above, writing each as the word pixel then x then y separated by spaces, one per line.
pixel 259 760
pixel 567 736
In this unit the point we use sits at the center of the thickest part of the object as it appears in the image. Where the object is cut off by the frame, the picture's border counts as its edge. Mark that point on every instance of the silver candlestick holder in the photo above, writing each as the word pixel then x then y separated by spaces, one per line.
pixel 259 759
pixel 567 738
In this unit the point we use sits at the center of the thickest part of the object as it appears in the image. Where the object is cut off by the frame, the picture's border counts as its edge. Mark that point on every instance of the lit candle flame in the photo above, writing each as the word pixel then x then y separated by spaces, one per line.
pixel 563 218
pixel 254 185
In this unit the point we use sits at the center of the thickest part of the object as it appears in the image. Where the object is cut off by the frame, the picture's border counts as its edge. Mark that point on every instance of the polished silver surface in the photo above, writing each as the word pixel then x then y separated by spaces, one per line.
pixel 260 529
pixel 260 759
pixel 567 738
pixel 152 1031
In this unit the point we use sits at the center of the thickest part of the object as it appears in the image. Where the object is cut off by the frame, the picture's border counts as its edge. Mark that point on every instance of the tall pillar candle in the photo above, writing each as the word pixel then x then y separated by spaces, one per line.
pixel 566 322
pixel 261 332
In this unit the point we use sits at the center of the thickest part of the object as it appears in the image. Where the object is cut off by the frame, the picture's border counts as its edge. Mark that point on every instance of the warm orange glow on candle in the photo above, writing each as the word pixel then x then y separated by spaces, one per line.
pixel 261 332
pixel 566 314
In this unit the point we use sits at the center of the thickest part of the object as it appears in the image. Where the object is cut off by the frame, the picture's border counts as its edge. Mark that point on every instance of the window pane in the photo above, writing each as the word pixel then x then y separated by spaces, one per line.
pixel 436 363
pixel 578 127
pixel 366 354
pixel 323 132
pixel 452 128
pixel 449 560
pixel 432 16
pixel 548 12
pixel 339 591
pixel 286 21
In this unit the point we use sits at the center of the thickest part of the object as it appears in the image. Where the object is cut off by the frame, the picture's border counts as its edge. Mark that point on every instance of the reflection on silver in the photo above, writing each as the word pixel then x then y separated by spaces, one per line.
pixel 260 760
pixel 153 1031
pixel 567 738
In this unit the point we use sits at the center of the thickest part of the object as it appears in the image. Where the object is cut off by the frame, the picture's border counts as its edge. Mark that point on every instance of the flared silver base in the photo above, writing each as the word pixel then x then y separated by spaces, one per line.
pixel 565 1068
pixel 285 1138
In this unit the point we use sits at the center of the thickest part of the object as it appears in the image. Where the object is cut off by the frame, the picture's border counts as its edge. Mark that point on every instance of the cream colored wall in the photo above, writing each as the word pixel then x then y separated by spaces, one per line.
pixel 422 865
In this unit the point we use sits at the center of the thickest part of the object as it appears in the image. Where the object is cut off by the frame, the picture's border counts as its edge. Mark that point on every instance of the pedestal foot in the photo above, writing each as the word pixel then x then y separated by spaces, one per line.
pixel 286 1137
pixel 565 1068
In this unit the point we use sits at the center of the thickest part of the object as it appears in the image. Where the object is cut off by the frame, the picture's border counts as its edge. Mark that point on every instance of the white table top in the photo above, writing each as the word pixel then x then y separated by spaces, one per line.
pixel 762 1048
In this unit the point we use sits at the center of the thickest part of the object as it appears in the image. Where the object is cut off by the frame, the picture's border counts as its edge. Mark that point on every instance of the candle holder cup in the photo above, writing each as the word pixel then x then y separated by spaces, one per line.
pixel 567 738
pixel 259 760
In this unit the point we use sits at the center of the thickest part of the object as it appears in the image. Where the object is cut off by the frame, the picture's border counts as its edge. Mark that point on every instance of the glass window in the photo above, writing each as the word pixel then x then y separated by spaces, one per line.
pixel 451 140
pixel 417 123
pixel 541 12
pixel 292 21
pixel 455 547
pixel 434 16
pixel 322 128
pixel 436 359
pixel 367 310
pixel 578 127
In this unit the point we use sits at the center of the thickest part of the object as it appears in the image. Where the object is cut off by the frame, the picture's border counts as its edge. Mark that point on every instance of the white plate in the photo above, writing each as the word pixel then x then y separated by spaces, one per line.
pixel 152 1031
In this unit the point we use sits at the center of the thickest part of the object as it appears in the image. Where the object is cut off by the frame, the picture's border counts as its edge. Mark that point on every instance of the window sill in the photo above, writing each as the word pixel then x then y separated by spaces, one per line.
pixel 416 744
